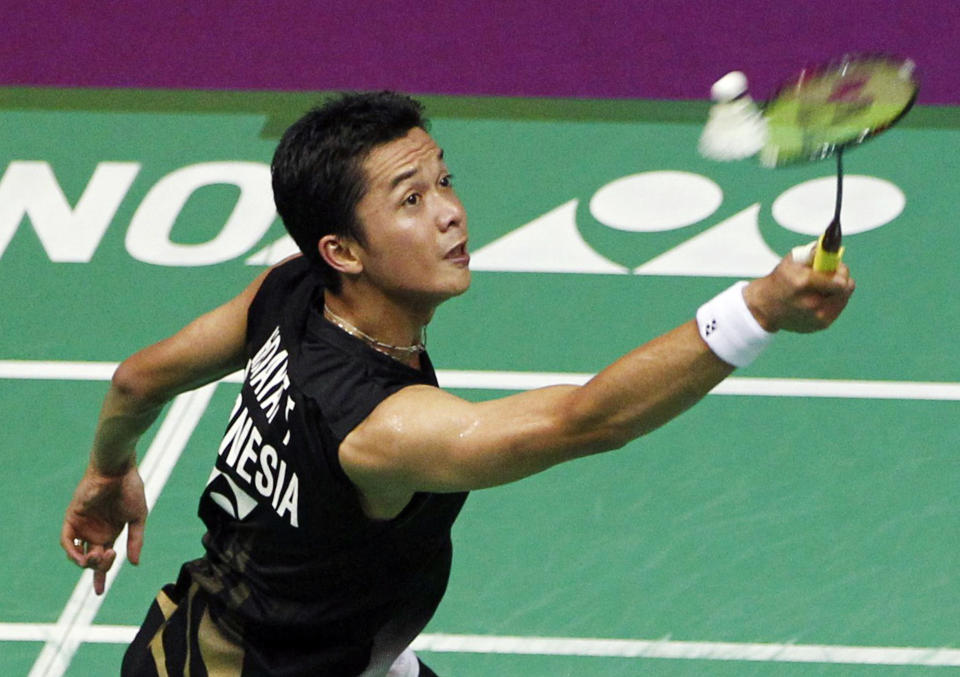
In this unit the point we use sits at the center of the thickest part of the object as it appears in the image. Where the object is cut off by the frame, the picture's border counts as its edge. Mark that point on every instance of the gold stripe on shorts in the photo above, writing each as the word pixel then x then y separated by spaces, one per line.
pixel 167 607
pixel 221 656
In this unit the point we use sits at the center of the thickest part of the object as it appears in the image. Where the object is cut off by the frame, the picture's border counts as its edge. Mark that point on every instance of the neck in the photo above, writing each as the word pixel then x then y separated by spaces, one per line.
pixel 385 327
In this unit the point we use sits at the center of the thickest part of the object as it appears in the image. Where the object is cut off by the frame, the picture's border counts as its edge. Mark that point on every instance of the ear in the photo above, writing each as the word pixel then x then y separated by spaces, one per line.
pixel 340 254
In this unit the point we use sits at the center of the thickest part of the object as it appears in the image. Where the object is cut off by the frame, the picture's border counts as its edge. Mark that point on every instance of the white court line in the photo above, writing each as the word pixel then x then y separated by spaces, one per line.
pixel 734 385
pixel 68 371
pixel 44 632
pixel 77 616
pixel 590 647
pixel 801 387
pixel 723 651
pixel 528 380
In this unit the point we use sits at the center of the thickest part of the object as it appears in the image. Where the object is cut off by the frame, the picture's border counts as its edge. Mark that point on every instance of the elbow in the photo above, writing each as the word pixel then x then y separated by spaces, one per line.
pixel 124 380
pixel 131 384
pixel 612 436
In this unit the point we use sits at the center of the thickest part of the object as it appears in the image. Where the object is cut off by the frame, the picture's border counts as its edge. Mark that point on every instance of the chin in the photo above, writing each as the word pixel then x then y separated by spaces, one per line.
pixel 456 287
pixel 439 293
pixel 464 283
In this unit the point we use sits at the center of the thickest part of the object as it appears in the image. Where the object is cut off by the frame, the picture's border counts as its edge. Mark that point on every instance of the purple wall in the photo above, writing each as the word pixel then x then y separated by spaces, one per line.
pixel 594 48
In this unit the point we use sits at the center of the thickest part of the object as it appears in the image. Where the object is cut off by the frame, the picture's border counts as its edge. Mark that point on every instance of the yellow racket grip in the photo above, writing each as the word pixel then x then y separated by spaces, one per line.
pixel 824 261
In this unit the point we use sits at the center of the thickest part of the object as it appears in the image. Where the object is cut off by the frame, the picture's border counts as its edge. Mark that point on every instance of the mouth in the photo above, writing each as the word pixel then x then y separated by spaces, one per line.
pixel 458 254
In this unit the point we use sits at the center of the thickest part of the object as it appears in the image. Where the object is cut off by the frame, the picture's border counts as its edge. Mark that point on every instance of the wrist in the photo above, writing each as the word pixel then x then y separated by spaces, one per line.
pixel 111 469
pixel 731 330
pixel 753 294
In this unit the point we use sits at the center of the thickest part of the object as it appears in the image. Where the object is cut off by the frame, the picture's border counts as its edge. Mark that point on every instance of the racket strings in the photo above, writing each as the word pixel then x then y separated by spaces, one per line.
pixel 837 106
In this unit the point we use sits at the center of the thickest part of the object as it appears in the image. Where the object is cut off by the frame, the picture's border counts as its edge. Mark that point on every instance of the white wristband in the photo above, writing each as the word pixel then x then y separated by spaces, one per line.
pixel 730 329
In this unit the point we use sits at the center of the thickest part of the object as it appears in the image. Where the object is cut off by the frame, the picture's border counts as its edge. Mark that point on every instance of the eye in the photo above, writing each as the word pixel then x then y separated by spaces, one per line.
pixel 446 181
pixel 412 199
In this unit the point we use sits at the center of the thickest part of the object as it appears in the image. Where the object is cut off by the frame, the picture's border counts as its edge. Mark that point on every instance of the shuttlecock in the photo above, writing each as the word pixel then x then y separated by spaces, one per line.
pixel 735 127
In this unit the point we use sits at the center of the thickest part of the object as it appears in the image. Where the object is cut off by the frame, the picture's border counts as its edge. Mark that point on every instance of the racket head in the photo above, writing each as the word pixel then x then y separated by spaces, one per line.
pixel 836 106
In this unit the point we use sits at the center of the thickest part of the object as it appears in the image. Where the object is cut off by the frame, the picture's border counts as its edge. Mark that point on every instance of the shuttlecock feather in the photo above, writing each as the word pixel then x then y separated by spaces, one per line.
pixel 735 127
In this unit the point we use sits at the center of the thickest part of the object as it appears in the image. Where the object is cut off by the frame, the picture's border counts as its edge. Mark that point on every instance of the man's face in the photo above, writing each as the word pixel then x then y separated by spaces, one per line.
pixel 414 225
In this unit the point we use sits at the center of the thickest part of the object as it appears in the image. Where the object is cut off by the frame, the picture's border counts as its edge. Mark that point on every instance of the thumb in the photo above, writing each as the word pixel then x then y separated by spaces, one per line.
pixel 803 254
pixel 134 541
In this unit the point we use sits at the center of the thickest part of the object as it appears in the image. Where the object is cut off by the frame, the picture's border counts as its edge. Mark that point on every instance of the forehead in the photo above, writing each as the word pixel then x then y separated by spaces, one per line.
pixel 401 156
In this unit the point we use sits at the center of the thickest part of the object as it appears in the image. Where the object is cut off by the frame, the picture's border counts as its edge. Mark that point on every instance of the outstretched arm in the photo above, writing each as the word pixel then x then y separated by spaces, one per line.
pixel 424 439
pixel 110 494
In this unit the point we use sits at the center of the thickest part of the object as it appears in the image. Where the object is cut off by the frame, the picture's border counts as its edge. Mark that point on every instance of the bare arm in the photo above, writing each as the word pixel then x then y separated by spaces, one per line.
pixel 110 494
pixel 423 439
pixel 208 348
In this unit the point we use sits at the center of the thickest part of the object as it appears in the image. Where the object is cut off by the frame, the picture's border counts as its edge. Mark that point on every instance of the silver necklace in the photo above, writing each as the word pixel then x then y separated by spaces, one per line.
pixel 386 348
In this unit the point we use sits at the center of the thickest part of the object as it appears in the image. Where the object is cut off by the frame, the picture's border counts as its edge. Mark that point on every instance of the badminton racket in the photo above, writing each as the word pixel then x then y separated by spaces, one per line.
pixel 829 109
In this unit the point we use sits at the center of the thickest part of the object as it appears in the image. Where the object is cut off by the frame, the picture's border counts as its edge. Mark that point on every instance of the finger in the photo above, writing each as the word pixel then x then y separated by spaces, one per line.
pixel 100 568
pixel 72 545
pixel 843 276
pixel 109 557
pixel 831 284
pixel 134 541
pixel 78 558
pixel 95 556
pixel 845 285
pixel 73 551
pixel 99 581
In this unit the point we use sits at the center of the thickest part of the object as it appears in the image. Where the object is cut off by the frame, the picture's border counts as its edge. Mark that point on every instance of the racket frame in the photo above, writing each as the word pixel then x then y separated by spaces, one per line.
pixel 812 73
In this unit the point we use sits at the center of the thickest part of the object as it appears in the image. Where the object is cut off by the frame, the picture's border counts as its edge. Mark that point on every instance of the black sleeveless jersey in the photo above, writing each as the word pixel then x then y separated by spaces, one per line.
pixel 294 570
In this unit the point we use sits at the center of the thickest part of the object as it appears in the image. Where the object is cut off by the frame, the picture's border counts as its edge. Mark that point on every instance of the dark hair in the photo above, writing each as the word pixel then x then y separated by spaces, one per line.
pixel 317 168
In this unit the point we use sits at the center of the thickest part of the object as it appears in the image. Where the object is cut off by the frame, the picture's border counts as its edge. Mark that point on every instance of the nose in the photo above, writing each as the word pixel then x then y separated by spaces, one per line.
pixel 451 213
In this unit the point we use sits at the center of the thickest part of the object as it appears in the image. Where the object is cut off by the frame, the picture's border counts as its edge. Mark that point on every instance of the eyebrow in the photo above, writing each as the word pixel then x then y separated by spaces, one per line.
pixel 403 176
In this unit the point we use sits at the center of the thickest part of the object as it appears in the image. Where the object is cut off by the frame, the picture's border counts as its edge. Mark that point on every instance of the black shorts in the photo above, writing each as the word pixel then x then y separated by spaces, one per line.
pixel 179 637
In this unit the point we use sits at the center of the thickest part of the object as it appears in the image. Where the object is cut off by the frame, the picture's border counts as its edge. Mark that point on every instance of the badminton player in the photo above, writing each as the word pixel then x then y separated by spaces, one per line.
pixel 343 465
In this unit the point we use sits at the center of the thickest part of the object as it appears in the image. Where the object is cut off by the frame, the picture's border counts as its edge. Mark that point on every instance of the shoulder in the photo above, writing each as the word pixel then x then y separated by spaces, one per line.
pixel 379 454
pixel 288 273
pixel 291 284
pixel 412 421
